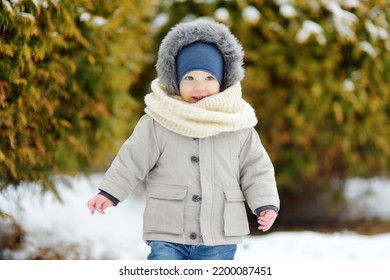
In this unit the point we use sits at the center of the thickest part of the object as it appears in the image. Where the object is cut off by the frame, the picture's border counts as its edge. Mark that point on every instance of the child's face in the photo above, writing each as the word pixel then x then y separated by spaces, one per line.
pixel 197 85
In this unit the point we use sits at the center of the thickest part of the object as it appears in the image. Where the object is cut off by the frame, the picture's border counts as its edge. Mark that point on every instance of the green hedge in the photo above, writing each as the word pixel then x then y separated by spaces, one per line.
pixel 322 98
pixel 66 68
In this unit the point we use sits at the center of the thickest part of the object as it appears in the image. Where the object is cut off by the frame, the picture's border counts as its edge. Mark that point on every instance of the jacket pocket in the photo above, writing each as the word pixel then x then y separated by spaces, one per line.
pixel 235 218
pixel 164 210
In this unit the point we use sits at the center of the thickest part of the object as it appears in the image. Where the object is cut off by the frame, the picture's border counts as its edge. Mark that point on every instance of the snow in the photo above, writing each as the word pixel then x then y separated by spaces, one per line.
pixel 85 16
pixel 348 85
pixel 311 28
pixel 368 48
pixel 99 21
pixel 288 11
pixel 41 3
pixel 160 20
pixel 377 32
pixel 371 194
pixel 117 235
pixel 26 16
pixel 222 14
pixel 96 20
pixel 343 20
pixel 251 14
pixel 8 6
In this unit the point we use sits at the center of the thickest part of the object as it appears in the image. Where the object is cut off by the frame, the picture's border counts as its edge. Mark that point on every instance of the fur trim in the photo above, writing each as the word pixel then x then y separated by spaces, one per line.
pixel 208 31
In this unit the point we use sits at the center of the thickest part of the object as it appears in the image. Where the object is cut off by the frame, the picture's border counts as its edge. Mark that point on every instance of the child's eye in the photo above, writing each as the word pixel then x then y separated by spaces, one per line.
pixel 190 78
pixel 210 78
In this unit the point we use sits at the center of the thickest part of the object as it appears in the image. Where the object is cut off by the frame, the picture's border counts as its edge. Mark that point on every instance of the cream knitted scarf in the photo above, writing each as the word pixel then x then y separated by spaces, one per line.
pixel 225 111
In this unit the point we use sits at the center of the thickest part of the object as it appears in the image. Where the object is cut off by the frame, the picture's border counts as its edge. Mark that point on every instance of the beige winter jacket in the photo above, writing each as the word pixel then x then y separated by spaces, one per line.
pixel 196 187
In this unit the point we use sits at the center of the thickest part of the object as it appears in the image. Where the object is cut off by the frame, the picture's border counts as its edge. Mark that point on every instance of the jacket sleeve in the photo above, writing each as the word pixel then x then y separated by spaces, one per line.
pixel 135 159
pixel 114 200
pixel 257 175
pixel 258 211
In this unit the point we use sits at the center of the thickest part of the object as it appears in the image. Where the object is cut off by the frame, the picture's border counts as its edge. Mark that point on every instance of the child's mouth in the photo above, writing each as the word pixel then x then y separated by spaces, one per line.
pixel 198 98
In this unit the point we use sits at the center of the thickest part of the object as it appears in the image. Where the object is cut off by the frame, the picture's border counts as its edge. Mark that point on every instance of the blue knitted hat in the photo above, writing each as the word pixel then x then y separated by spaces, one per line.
pixel 200 56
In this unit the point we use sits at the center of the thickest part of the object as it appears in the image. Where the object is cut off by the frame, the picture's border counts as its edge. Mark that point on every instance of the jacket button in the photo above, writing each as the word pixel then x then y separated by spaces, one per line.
pixel 196 198
pixel 195 159
pixel 193 235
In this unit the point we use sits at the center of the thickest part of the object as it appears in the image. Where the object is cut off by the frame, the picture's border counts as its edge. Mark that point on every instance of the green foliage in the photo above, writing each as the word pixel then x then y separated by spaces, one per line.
pixel 65 72
pixel 317 75
pixel 323 99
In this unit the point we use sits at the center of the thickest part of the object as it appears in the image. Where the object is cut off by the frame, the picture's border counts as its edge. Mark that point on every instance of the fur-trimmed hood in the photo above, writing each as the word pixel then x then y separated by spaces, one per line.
pixel 207 31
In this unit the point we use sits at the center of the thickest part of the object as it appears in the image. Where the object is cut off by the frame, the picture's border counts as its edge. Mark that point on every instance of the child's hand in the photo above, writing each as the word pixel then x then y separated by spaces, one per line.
pixel 99 203
pixel 266 219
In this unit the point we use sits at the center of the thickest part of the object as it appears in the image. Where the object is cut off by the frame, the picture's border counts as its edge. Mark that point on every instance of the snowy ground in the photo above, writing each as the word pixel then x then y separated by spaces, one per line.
pixel 117 235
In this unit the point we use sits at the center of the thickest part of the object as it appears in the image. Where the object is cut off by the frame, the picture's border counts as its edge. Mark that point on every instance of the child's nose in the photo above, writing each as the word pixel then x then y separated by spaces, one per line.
pixel 199 86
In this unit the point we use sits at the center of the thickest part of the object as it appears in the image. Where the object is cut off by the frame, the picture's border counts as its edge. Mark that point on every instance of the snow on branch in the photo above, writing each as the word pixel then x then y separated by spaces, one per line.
pixel 342 19
pixel 311 28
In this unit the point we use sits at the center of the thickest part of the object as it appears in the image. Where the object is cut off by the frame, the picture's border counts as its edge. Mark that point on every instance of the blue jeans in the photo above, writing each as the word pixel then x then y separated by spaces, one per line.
pixel 161 250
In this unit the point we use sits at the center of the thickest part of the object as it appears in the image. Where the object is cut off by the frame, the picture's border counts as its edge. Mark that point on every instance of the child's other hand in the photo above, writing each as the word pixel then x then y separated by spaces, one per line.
pixel 99 203
pixel 266 219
